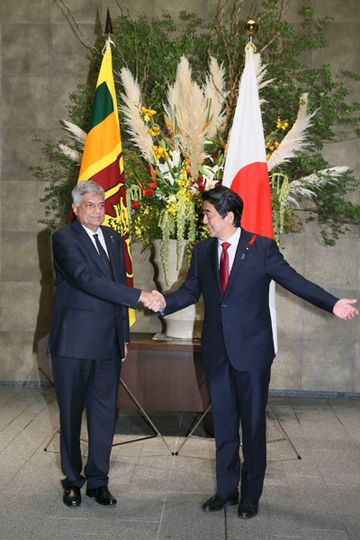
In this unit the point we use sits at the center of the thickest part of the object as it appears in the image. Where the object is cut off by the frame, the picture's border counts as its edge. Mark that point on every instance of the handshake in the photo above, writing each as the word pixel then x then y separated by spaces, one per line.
pixel 153 300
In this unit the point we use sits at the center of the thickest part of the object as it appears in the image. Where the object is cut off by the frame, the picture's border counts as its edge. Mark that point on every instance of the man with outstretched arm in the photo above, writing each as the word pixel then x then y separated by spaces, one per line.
pixel 232 270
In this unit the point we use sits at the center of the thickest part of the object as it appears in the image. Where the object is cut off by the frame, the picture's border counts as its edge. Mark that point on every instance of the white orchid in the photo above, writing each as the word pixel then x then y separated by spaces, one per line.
pixel 209 175
pixel 175 158
pixel 168 168
pixel 166 173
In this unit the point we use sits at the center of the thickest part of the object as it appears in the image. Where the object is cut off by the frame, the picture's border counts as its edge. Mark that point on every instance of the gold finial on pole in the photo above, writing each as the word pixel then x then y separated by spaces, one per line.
pixel 250 28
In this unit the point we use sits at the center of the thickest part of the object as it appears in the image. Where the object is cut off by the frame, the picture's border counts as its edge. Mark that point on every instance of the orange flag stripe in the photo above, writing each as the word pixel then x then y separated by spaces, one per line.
pixel 99 143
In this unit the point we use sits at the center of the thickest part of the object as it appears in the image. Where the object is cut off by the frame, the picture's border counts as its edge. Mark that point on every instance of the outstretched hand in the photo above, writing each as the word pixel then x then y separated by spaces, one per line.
pixel 154 300
pixel 344 309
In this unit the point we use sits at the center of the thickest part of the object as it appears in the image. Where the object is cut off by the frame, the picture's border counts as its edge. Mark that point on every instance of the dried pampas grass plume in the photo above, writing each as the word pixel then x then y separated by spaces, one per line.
pixel 260 73
pixel 215 95
pixel 70 153
pixel 304 187
pixel 178 99
pixel 76 133
pixel 187 109
pixel 195 137
pixel 135 125
pixel 295 140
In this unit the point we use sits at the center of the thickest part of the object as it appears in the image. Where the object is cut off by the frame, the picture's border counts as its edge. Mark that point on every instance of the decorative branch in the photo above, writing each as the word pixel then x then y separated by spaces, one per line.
pixel 74 25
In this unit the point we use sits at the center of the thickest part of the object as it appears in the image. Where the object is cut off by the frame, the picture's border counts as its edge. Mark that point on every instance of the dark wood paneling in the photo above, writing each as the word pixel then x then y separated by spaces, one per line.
pixel 164 375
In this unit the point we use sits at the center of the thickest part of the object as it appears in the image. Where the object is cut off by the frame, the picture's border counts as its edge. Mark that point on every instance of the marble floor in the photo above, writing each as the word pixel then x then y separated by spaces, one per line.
pixel 160 494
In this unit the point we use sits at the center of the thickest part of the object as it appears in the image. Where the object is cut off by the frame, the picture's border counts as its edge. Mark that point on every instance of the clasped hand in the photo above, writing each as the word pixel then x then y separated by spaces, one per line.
pixel 153 300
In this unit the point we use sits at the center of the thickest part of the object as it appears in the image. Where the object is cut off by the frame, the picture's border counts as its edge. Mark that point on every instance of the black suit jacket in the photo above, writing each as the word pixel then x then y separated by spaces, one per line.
pixel 90 310
pixel 240 319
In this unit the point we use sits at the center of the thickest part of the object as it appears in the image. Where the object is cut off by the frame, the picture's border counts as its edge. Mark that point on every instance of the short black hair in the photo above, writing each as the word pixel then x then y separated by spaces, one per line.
pixel 225 200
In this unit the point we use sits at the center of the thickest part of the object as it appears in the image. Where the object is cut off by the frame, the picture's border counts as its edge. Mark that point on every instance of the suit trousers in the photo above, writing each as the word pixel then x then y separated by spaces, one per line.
pixel 239 397
pixel 91 385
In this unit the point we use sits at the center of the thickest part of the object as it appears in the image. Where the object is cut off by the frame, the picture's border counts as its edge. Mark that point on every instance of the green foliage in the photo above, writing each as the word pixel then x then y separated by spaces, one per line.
pixel 332 203
pixel 151 49
pixel 58 175
pixel 80 105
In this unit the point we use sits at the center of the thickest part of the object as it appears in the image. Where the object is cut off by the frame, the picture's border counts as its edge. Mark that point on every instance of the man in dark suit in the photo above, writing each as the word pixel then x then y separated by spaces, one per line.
pixel 232 270
pixel 88 339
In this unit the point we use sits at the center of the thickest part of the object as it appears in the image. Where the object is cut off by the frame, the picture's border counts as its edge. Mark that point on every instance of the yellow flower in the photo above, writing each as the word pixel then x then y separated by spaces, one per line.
pixel 147 114
pixel 138 230
pixel 282 125
pixel 160 152
pixel 154 131
pixel 171 208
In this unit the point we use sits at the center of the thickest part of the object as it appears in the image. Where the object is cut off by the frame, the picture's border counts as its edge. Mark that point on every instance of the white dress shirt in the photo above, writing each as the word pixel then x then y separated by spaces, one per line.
pixel 233 241
pixel 100 236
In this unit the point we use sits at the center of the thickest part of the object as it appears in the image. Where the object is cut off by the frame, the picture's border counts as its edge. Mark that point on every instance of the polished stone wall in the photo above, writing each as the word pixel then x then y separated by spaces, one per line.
pixel 41 62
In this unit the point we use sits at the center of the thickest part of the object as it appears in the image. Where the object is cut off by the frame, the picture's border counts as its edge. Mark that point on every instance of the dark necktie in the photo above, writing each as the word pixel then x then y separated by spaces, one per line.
pixel 102 253
pixel 224 266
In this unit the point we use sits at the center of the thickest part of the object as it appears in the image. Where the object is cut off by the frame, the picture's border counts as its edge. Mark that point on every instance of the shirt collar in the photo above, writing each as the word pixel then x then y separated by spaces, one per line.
pixel 91 233
pixel 234 238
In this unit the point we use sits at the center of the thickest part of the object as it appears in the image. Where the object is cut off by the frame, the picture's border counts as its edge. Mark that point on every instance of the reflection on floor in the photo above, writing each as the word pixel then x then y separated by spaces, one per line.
pixel 160 494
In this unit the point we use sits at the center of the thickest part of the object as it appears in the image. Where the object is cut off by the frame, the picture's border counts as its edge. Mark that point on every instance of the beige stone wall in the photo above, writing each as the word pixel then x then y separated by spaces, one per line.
pixel 41 62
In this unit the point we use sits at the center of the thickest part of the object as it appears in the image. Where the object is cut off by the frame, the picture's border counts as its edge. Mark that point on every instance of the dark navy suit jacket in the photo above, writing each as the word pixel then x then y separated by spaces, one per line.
pixel 240 319
pixel 90 311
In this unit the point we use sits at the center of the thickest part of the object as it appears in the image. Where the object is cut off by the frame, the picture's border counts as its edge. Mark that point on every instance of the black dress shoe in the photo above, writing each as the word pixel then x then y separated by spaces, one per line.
pixel 72 496
pixel 102 495
pixel 216 503
pixel 248 509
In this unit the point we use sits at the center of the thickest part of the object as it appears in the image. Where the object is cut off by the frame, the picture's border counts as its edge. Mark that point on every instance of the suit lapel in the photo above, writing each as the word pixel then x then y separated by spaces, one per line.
pixel 214 262
pixel 88 245
pixel 113 252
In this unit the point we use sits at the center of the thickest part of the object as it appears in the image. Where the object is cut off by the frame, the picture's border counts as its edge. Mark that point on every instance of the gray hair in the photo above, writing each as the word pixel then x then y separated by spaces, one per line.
pixel 86 187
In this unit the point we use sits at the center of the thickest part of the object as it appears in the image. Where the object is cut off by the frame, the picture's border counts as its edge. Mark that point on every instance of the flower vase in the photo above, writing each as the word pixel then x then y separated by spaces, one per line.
pixel 186 323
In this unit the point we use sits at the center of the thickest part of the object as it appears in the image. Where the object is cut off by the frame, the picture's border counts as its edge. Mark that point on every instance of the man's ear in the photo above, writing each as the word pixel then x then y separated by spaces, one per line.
pixel 230 217
pixel 75 208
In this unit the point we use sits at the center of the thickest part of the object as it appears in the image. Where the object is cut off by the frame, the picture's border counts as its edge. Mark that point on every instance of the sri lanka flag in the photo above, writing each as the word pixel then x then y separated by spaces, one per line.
pixel 102 159
pixel 246 169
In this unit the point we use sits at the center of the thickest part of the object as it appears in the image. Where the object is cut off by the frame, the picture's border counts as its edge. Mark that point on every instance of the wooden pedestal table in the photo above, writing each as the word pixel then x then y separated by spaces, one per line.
pixel 163 375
